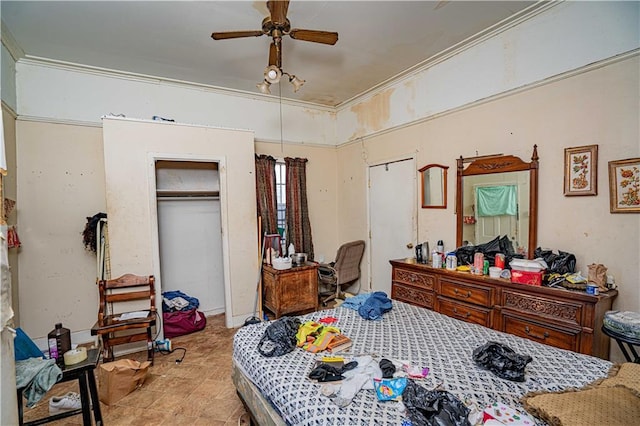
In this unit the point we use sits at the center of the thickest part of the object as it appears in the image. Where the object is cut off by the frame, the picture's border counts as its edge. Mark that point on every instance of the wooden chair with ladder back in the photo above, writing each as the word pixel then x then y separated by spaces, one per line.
pixel 126 303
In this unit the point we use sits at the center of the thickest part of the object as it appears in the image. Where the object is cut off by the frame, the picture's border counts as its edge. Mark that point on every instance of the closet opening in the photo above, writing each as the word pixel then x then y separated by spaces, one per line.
pixel 190 231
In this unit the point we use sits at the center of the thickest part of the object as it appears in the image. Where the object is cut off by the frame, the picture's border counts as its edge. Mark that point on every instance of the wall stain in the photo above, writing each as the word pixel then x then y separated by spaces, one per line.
pixel 410 86
pixel 374 113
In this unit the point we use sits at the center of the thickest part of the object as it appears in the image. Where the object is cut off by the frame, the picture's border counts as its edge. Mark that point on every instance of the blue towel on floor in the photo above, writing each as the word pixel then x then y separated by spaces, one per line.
pixel 377 304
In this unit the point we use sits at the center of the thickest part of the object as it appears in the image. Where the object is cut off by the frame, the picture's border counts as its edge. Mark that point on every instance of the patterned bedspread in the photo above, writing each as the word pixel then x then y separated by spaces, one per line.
pixel 423 338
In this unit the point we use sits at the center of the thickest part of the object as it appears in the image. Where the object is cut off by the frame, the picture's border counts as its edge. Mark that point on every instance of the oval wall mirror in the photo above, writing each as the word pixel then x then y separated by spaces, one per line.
pixel 433 184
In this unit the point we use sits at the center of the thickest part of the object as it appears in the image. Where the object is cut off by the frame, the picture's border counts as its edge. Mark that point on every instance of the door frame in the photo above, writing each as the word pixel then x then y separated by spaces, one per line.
pixel 152 157
pixel 414 224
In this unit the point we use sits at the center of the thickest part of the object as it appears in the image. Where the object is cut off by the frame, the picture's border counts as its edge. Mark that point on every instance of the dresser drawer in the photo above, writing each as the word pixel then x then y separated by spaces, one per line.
pixel 563 339
pixel 568 312
pixel 478 295
pixel 419 279
pixel 464 312
pixel 412 295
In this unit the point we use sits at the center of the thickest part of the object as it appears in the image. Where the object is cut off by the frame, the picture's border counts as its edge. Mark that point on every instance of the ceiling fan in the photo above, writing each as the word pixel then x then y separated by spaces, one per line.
pixel 277 25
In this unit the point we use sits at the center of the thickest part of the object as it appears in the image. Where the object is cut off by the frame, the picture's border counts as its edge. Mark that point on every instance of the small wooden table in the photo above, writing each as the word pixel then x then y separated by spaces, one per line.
pixel 290 290
pixel 83 372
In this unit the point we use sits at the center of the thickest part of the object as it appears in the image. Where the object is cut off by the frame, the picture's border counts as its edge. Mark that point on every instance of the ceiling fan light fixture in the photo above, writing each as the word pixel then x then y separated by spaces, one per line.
pixel 296 82
pixel 272 74
pixel 264 87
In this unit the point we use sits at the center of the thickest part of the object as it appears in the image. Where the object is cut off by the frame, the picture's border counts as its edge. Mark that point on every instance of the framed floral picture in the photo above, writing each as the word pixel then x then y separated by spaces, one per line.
pixel 624 186
pixel 581 170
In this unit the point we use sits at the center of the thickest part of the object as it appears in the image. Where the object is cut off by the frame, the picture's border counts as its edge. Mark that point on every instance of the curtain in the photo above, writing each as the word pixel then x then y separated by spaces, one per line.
pixel 497 200
pixel 266 193
pixel 298 225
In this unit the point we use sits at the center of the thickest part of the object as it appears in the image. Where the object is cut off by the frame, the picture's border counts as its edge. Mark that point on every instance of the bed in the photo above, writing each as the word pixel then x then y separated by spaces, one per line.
pixel 277 391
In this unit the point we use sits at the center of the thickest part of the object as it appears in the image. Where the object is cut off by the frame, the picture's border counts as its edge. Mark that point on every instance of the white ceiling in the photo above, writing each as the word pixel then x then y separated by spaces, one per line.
pixel 171 39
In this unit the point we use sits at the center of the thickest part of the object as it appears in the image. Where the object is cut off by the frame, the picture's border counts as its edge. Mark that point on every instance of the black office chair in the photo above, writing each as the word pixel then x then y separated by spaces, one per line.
pixel 343 272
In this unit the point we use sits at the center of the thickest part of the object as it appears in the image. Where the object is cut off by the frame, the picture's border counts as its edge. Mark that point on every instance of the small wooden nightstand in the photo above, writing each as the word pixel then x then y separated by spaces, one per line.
pixel 290 290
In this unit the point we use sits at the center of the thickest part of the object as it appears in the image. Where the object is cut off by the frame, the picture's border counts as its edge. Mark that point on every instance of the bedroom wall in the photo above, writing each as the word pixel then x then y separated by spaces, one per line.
pixel 60 182
pixel 130 150
pixel 321 191
pixel 597 107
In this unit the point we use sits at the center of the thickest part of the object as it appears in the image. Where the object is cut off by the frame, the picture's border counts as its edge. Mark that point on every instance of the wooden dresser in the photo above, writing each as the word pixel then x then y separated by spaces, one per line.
pixel 290 290
pixel 558 317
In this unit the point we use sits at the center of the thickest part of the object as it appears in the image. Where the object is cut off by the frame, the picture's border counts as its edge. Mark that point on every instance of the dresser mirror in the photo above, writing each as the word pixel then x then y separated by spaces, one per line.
pixel 497 196
pixel 433 184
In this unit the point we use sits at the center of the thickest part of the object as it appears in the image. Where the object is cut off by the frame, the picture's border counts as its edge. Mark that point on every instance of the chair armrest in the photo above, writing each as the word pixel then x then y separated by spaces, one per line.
pixel 326 269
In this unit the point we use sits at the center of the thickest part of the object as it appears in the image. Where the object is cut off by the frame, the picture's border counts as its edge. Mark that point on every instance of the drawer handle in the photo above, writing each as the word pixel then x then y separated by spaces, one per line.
pixel 535 336
pixel 467 315
pixel 457 292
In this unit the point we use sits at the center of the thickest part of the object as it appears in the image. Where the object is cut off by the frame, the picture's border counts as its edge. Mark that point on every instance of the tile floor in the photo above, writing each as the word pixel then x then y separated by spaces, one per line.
pixel 199 391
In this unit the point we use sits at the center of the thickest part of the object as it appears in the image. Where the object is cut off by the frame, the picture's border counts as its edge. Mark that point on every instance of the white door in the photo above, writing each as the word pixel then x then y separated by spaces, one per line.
pixel 490 227
pixel 392 218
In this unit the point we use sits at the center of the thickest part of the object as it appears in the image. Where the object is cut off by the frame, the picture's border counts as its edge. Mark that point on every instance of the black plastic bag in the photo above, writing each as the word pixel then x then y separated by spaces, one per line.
pixel 501 360
pixel 433 407
pixel 280 337
pixel 489 250
pixel 561 263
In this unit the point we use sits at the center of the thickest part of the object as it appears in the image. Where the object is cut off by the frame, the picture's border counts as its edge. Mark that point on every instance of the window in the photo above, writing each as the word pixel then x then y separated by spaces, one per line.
pixel 281 196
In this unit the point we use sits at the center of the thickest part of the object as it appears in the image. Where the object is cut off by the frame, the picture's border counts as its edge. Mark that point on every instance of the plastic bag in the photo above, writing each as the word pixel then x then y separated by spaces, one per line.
pixel 433 408
pixel 501 360
pixel 489 249
pixel 598 275
pixel 561 263
pixel 389 389
pixel 280 337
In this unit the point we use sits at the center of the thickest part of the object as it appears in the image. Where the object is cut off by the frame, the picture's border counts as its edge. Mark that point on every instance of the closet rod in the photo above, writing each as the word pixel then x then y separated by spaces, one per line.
pixel 184 198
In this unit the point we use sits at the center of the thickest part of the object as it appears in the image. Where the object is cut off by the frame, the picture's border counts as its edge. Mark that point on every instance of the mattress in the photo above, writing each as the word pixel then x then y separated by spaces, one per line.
pixel 421 338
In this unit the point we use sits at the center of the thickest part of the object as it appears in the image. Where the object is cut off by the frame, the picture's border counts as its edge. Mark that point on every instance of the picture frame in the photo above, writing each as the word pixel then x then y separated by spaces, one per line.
pixel 581 170
pixel 624 186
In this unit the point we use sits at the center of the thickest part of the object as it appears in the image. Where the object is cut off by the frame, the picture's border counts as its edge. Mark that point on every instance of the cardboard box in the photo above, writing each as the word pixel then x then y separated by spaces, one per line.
pixel 526 277
pixel 119 378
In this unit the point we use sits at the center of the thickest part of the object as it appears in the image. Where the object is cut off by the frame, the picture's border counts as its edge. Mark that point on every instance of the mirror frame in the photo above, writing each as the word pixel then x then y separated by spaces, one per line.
pixel 444 186
pixel 499 164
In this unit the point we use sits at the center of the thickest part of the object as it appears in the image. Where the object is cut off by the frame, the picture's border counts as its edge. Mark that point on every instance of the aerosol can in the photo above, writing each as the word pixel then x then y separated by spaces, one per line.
pixel 163 345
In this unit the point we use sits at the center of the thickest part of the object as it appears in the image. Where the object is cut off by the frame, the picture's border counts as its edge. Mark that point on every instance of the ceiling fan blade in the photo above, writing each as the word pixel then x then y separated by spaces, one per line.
pixel 278 10
pixel 235 34
pixel 325 37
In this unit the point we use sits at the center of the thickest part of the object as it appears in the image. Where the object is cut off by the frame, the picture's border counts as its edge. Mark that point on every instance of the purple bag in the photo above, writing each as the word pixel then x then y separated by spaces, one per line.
pixel 179 323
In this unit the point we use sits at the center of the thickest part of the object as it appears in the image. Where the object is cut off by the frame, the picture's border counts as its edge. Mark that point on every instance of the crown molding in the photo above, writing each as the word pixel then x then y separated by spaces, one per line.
pixel 9 42
pixel 144 78
pixel 9 110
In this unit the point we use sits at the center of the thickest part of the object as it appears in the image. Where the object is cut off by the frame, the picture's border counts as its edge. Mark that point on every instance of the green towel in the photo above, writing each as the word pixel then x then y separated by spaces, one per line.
pixel 36 376
pixel 497 200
